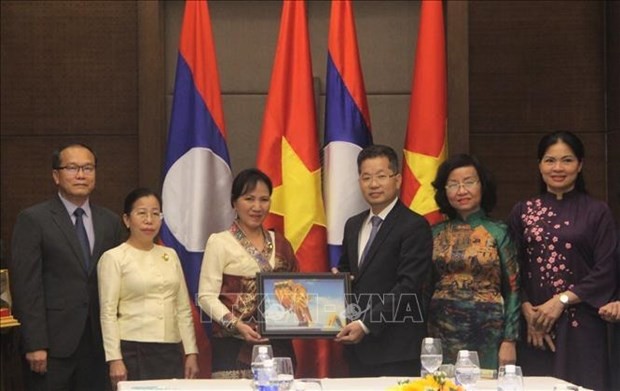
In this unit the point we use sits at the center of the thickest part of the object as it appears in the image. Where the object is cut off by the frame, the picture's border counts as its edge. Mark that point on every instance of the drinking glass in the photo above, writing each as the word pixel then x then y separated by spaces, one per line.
pixel 448 369
pixel 467 368
pixel 283 368
pixel 255 351
pixel 431 355
pixel 307 385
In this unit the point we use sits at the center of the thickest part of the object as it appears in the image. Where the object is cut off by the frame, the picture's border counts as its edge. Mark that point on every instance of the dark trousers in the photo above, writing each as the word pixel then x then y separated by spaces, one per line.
pixel 410 368
pixel 84 370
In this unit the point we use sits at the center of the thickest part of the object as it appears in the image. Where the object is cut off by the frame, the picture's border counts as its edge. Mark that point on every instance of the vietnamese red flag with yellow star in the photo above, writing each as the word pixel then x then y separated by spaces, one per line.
pixel 426 142
pixel 289 154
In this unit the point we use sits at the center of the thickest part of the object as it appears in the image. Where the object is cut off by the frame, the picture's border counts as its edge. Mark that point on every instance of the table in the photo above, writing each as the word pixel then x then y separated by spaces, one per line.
pixel 343 384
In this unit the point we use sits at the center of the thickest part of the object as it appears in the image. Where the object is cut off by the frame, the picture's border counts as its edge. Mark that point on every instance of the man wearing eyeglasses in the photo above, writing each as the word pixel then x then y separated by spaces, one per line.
pixel 388 251
pixel 55 248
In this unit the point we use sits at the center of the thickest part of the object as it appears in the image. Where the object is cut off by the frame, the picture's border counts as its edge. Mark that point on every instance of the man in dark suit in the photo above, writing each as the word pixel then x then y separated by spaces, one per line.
pixel 388 252
pixel 55 249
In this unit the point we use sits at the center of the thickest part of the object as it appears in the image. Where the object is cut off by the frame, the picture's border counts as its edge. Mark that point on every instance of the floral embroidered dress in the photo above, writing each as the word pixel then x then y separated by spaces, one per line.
pixel 228 290
pixel 567 244
pixel 475 304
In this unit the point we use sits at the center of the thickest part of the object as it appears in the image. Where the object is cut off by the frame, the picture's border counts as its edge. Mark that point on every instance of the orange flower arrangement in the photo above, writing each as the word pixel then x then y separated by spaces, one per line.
pixel 435 382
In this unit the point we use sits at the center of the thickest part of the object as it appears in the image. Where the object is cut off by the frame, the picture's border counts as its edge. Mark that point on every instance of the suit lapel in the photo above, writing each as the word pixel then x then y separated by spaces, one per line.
pixel 388 224
pixel 63 221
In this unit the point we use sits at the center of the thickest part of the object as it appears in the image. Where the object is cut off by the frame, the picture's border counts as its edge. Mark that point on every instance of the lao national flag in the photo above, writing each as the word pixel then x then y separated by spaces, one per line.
pixel 425 143
pixel 347 126
pixel 197 174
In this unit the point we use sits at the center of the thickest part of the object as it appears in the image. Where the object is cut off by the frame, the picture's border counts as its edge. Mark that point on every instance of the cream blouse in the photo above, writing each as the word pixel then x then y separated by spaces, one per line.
pixel 144 298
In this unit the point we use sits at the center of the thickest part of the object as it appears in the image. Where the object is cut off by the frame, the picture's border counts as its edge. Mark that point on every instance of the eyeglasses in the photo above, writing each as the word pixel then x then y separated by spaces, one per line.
pixel 453 187
pixel 380 178
pixel 73 169
pixel 145 214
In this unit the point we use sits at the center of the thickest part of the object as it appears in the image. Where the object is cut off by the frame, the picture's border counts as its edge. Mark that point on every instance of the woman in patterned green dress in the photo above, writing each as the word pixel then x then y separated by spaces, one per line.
pixel 475 302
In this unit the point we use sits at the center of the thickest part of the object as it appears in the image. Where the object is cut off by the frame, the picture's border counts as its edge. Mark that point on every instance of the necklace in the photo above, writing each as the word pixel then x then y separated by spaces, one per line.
pixel 262 257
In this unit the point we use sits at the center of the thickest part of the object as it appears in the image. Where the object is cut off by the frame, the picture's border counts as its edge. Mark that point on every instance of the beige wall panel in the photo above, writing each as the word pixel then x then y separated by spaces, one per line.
pixel 68 67
pixel 244 117
pixel 512 159
pixel 388 116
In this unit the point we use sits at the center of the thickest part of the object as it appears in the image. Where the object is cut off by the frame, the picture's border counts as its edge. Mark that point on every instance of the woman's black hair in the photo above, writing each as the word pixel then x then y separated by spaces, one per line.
pixel 574 143
pixel 246 181
pixel 135 195
pixel 487 183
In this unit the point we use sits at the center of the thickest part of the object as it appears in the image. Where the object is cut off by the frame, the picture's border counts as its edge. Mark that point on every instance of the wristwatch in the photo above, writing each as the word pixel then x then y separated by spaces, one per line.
pixel 564 299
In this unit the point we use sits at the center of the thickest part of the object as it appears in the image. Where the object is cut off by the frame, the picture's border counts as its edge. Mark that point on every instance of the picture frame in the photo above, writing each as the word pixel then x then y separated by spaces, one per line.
pixel 5 291
pixel 6 303
pixel 302 305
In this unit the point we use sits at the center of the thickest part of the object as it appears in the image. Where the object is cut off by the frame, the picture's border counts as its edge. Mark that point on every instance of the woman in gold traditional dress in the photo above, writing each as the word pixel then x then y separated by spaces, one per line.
pixel 227 289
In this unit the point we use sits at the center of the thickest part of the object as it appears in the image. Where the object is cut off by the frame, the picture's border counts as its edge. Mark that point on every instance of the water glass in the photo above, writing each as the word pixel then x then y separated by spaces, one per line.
pixel 467 368
pixel 431 354
pixel 283 368
pixel 307 385
pixel 448 369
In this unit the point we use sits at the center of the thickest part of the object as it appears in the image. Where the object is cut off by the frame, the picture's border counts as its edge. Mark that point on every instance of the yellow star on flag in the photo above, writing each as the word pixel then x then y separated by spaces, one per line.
pixel 298 199
pixel 424 168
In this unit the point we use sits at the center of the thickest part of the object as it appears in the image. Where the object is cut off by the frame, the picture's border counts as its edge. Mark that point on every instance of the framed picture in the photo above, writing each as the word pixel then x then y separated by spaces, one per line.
pixel 6 318
pixel 302 305
pixel 5 292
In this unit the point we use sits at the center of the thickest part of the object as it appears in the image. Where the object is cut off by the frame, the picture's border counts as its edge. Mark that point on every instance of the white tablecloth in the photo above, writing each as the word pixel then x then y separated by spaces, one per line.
pixel 344 384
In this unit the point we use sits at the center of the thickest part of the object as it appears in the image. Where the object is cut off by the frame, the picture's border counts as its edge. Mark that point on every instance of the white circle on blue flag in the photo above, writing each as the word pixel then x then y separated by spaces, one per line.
pixel 196 197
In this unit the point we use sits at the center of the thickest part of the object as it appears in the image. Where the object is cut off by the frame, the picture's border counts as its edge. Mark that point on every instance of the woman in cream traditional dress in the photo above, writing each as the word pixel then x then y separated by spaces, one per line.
pixel 227 289
pixel 146 320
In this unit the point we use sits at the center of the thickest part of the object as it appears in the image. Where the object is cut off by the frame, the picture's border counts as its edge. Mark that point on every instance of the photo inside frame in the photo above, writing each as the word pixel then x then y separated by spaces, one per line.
pixel 5 292
pixel 302 305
